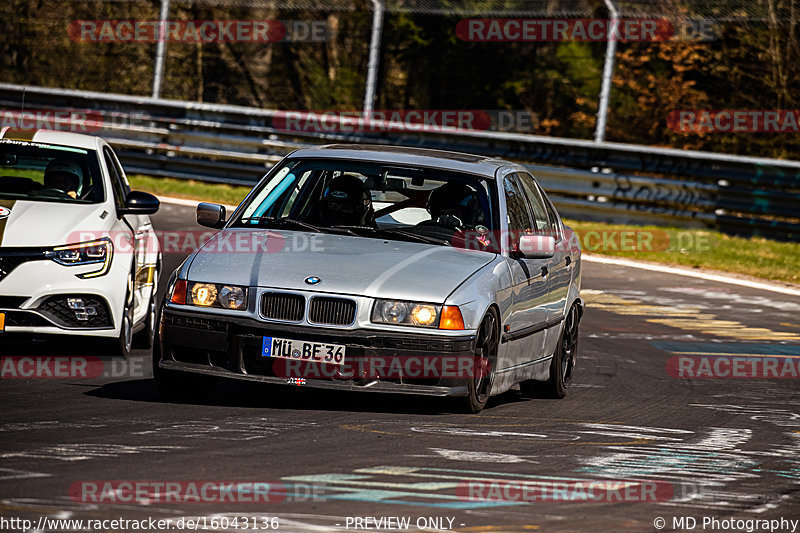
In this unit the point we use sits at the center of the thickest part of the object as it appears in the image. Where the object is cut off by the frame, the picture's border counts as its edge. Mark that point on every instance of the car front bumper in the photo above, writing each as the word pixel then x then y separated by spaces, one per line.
pixel 33 299
pixel 230 347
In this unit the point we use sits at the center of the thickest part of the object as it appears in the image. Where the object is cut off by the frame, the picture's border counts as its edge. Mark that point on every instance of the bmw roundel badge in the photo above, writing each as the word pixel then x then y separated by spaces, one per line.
pixel 312 280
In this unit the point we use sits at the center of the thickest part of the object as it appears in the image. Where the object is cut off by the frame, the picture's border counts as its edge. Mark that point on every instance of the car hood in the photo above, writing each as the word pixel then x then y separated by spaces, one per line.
pixel 50 223
pixel 345 264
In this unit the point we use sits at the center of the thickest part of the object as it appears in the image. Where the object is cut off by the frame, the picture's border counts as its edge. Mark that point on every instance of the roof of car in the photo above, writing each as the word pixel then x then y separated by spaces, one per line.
pixel 62 138
pixel 404 155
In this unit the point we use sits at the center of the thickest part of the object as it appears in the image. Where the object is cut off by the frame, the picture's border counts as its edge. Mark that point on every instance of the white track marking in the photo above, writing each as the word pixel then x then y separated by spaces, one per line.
pixel 477 457
pixel 10 473
pixel 760 285
pixel 84 452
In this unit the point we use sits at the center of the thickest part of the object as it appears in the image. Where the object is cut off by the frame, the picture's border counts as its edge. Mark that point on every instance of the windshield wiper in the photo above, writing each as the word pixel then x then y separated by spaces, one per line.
pixel 393 233
pixel 283 222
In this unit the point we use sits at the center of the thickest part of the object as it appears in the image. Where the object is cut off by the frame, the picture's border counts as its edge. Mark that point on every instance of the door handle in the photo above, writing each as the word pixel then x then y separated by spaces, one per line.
pixel 545 271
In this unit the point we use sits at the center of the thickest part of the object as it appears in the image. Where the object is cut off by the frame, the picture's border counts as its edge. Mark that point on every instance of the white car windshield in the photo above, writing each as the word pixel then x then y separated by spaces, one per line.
pixel 376 200
pixel 49 173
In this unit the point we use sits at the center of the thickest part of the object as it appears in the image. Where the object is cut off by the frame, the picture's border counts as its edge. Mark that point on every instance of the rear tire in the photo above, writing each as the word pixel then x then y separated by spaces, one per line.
pixel 144 338
pixel 561 366
pixel 479 388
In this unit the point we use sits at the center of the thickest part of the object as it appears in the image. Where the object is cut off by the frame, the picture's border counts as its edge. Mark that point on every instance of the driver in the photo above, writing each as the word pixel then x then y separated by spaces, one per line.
pixel 455 205
pixel 64 175
pixel 346 202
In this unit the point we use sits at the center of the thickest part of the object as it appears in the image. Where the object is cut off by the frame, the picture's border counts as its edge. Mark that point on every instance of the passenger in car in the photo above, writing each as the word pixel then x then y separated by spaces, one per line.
pixel 453 206
pixel 346 202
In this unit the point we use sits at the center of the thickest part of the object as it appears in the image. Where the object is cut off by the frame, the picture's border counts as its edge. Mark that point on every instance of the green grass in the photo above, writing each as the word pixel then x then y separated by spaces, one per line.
pixel 756 257
pixel 190 189
pixel 696 248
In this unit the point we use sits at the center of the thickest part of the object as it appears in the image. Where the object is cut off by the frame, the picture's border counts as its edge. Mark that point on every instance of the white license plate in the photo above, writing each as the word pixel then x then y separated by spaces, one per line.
pixel 303 350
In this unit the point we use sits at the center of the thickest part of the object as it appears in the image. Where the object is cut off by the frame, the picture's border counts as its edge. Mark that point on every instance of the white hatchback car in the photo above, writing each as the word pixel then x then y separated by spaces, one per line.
pixel 78 254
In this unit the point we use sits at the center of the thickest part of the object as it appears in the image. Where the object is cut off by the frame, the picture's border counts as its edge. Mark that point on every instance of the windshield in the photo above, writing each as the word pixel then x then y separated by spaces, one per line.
pixel 375 200
pixel 49 173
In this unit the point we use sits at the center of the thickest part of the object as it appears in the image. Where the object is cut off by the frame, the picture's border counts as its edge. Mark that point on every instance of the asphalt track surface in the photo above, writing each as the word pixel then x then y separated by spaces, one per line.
pixel 723 448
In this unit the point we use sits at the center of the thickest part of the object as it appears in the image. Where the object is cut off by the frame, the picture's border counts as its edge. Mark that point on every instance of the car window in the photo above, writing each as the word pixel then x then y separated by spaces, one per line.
pixel 542 224
pixel 116 182
pixel 377 199
pixel 123 179
pixel 49 173
pixel 517 215
pixel 555 222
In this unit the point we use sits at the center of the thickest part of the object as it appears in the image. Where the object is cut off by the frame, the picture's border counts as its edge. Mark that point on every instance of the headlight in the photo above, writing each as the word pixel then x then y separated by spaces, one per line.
pixel 97 252
pixel 214 295
pixel 406 313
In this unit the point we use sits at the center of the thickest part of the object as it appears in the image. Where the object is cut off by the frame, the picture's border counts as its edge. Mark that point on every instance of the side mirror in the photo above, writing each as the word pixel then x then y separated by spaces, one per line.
pixel 537 246
pixel 140 203
pixel 210 215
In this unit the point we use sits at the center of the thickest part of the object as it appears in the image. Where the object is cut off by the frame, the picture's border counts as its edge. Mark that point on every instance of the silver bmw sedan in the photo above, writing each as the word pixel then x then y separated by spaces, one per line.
pixel 381 269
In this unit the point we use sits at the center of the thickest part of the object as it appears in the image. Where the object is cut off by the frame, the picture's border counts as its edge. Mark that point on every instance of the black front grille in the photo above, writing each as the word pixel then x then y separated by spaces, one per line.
pixel 25 319
pixel 12 302
pixel 11 258
pixel 333 311
pixel 93 314
pixel 283 306
pixel 194 322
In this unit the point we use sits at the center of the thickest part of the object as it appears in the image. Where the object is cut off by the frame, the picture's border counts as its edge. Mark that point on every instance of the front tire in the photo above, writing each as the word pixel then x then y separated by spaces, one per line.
pixel 479 387
pixel 124 342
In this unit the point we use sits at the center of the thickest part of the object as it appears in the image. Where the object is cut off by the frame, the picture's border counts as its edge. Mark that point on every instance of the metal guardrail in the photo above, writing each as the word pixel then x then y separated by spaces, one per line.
pixel 587 180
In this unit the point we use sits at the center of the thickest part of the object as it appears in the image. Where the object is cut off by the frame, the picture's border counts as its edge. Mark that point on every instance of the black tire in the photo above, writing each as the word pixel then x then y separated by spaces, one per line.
pixel 486 342
pixel 562 365
pixel 180 386
pixel 143 338
pixel 124 343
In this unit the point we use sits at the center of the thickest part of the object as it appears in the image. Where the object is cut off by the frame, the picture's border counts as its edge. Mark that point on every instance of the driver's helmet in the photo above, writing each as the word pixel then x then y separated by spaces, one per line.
pixel 346 202
pixel 65 175
pixel 456 200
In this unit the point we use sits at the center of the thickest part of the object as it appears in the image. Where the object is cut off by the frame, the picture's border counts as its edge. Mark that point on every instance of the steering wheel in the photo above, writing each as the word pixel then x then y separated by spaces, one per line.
pixel 50 191
pixel 87 193
pixel 450 222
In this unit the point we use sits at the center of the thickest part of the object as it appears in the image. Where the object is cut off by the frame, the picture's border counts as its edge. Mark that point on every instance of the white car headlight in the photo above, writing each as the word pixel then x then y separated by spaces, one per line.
pixel 97 252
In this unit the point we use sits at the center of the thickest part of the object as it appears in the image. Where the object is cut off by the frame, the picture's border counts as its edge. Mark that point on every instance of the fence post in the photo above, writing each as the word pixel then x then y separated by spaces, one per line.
pixel 374 56
pixel 608 73
pixel 161 49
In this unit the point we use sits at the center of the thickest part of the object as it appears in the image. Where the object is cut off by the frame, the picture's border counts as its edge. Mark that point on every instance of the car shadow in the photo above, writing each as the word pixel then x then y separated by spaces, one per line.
pixel 246 395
